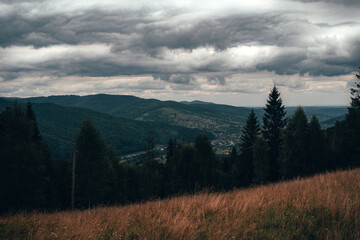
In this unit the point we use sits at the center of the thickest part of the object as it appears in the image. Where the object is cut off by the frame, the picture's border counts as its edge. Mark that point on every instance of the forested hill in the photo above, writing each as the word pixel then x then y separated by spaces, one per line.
pixel 132 107
pixel 59 126
pixel 223 121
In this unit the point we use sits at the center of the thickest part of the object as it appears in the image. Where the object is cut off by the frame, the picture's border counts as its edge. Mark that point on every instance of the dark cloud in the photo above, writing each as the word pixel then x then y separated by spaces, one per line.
pixel 219 33
pixel 100 26
pixel 175 78
pixel 87 27
pixel 351 60
pixel 285 64
pixel 217 79
pixel 164 77
pixel 139 42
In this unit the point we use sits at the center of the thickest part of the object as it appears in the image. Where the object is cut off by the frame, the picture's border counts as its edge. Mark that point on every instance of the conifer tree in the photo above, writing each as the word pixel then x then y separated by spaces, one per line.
pixel 316 158
pixel 94 170
pixel 355 93
pixel 171 178
pixel 273 122
pixel 247 141
pixel 205 161
pixel 294 154
pixel 261 161
pixel 25 162
pixel 352 125
pixel 229 170
pixel 191 174
pixel 30 116
pixel 230 161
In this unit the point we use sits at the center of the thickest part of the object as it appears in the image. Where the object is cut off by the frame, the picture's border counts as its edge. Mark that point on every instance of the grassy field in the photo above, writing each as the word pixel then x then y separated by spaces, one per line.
pixel 326 206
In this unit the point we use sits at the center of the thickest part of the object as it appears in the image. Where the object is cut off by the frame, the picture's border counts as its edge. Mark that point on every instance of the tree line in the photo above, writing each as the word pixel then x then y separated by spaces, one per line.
pixel 273 149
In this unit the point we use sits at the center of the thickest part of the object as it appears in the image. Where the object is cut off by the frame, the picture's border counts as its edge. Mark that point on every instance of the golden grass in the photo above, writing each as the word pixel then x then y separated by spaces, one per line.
pixel 326 206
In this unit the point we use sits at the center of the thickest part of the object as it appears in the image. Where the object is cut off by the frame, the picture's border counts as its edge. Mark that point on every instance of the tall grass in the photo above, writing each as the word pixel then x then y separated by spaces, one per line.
pixel 325 206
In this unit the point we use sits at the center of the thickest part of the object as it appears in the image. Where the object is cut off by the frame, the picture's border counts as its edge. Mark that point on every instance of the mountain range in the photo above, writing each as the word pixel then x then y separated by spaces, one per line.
pixel 125 121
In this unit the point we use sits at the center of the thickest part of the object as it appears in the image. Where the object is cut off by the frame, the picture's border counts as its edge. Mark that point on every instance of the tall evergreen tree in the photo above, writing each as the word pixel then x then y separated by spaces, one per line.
pixel 294 154
pixel 30 116
pixel 24 172
pixel 316 156
pixel 188 170
pixel 206 161
pixel 273 122
pixel 230 161
pixel 229 170
pixel 355 93
pixel 261 161
pixel 247 141
pixel 94 170
pixel 352 125
pixel 171 178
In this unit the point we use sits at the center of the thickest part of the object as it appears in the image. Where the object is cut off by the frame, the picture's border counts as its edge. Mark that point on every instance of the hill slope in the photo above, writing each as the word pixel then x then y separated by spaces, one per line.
pixel 326 206
pixel 59 126
pixel 223 121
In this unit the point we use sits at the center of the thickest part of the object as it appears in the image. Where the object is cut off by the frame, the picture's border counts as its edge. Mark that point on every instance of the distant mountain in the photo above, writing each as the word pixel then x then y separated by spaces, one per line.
pixel 331 122
pixel 59 126
pixel 223 121
pixel 323 113
pixel 196 102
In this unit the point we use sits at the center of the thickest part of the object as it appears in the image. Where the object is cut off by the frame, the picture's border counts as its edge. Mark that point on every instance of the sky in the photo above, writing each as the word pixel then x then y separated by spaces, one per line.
pixel 228 52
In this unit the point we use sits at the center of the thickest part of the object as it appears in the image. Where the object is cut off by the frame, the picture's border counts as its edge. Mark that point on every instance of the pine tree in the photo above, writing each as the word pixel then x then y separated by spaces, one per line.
pixel 294 154
pixel 205 161
pixel 189 170
pixel 30 116
pixel 316 158
pixel 94 170
pixel 355 93
pixel 352 125
pixel 273 122
pixel 25 163
pixel 247 141
pixel 229 170
pixel 261 161
pixel 171 178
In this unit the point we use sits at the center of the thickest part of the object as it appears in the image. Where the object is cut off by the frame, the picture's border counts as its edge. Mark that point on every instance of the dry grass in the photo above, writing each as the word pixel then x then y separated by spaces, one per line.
pixel 326 206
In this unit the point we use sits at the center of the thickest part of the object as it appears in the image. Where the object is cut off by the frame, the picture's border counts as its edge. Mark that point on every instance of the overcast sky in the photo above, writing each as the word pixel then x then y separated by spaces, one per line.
pixel 227 51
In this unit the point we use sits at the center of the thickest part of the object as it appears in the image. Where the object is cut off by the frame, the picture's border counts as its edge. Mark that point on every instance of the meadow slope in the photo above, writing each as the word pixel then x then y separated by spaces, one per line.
pixel 325 206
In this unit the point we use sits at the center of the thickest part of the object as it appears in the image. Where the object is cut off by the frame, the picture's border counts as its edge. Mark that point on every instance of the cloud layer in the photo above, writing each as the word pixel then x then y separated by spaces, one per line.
pixel 200 48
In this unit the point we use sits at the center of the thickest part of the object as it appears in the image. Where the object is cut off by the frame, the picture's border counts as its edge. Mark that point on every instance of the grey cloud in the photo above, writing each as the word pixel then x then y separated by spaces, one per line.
pixel 219 33
pixel 99 26
pixel 182 78
pixel 88 27
pixel 164 77
pixel 217 79
pixel 290 82
pixel 7 89
pixel 328 63
pixel 352 60
pixel 138 41
pixel 9 75
pixel 175 78
pixel 285 64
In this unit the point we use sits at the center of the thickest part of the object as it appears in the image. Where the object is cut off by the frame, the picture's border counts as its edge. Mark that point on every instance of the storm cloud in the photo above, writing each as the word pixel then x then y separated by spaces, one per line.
pixel 178 44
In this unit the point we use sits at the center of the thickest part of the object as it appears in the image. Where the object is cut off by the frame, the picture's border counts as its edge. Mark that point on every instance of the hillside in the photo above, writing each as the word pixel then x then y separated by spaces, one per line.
pixel 59 126
pixel 325 206
pixel 223 121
